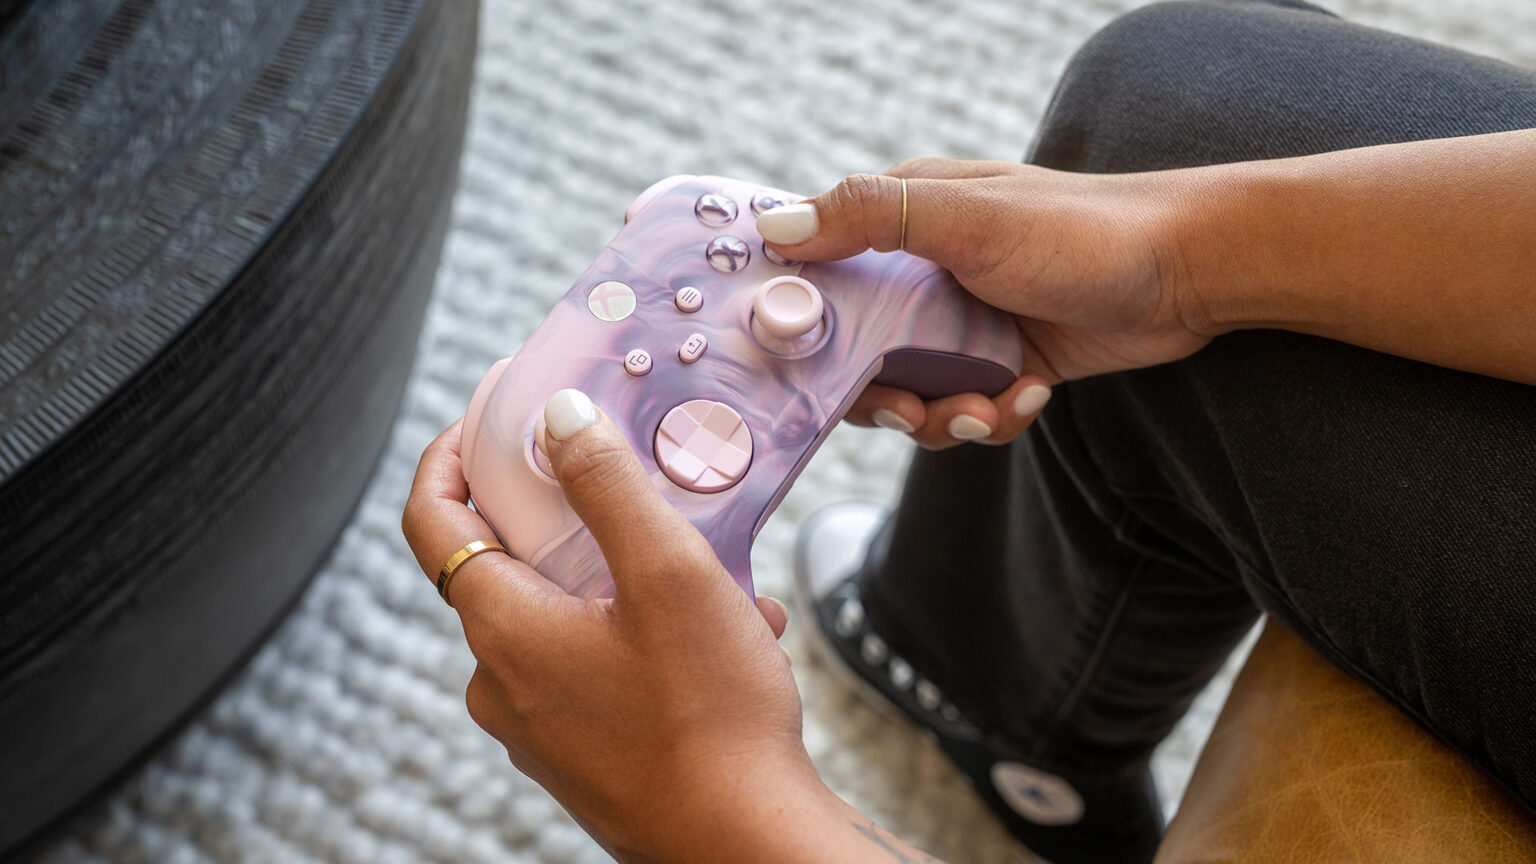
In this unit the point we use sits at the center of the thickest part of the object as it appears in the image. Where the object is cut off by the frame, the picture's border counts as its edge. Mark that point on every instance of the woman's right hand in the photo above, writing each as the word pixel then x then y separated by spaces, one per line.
pixel 1087 263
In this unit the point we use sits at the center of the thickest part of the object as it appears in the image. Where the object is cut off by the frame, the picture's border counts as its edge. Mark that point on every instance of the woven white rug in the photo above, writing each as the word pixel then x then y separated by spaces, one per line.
pixel 346 740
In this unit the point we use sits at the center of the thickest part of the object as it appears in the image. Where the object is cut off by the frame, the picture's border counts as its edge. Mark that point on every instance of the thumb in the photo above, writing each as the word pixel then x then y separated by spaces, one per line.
pixel 865 212
pixel 648 545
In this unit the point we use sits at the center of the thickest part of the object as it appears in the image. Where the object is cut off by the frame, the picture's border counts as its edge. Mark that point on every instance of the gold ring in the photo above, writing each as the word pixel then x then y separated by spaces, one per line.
pixel 903 245
pixel 457 559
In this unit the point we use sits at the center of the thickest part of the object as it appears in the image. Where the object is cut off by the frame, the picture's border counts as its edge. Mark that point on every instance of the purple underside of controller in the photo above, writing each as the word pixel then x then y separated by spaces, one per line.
pixel 722 407
pixel 935 374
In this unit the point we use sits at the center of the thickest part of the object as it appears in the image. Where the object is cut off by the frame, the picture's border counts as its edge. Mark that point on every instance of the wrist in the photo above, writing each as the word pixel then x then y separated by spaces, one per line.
pixel 783 812
pixel 1188 236
pixel 1239 245
pixel 729 809
pixel 1212 233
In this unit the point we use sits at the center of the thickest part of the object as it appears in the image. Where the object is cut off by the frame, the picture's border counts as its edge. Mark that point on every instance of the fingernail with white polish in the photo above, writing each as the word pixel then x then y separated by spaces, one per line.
pixel 541 435
pixel 889 419
pixel 568 412
pixel 788 657
pixel 1031 399
pixel 788 225
pixel 968 428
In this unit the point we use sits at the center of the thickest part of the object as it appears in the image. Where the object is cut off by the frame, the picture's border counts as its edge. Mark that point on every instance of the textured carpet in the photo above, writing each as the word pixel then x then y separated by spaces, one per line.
pixel 346 740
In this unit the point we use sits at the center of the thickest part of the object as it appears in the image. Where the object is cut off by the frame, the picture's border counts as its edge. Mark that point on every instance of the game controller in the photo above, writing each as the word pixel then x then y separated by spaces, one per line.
pixel 725 365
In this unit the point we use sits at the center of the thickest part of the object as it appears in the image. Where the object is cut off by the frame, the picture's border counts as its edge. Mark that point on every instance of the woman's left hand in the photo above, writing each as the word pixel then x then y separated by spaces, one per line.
pixel 646 715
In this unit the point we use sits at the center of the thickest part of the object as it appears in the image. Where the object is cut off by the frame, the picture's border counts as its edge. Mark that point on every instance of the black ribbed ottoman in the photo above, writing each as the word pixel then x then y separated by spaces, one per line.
pixel 219 223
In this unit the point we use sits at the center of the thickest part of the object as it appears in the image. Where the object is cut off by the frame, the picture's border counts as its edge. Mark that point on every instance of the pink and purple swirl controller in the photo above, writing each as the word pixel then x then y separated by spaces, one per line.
pixel 724 364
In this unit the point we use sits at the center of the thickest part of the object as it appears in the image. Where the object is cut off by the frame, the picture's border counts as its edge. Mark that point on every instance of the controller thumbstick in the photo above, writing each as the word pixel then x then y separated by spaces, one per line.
pixel 787 315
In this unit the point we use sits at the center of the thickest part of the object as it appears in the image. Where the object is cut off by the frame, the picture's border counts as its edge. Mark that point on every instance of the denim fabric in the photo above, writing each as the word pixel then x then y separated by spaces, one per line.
pixel 1073 592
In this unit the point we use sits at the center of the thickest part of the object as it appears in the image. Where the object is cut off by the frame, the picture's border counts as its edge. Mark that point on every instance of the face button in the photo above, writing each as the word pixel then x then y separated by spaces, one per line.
pixel 689 299
pixel 728 254
pixel 693 348
pixel 611 301
pixel 776 257
pixel 716 211
pixel 637 362
pixel 787 315
pixel 762 202
pixel 704 446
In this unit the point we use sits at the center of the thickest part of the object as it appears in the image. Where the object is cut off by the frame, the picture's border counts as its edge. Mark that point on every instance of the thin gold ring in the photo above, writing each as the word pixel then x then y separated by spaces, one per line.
pixel 457 559
pixel 903 245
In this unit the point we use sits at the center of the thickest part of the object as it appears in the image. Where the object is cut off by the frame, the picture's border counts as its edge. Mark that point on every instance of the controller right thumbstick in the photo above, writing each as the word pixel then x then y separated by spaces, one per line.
pixel 787 315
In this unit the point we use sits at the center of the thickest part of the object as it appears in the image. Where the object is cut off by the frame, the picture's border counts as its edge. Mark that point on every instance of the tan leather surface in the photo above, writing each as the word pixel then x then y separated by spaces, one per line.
pixel 1307 765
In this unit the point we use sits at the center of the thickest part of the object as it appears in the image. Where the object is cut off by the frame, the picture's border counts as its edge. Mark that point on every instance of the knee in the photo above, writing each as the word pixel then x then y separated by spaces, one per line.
pixel 1147 75
pixel 1151 28
pixel 1172 29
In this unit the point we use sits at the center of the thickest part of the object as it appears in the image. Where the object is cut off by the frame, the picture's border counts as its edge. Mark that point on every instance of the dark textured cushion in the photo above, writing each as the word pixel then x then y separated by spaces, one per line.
pixel 219 225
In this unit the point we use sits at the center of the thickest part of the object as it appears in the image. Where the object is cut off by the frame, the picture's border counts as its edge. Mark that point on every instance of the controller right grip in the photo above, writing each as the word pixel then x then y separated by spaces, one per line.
pixel 935 374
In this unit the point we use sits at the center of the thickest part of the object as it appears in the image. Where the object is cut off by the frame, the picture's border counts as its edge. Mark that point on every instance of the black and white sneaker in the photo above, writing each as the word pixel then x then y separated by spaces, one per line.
pixel 1062 820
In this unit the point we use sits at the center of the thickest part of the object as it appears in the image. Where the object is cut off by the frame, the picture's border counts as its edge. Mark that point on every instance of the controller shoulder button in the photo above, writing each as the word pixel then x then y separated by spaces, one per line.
pixel 653 192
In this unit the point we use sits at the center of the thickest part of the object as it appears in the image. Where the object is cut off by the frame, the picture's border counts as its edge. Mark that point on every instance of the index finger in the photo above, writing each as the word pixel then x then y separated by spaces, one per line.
pixel 438 522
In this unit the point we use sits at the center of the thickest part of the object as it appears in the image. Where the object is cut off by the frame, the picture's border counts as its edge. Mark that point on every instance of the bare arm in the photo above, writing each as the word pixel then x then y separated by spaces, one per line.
pixel 1426 250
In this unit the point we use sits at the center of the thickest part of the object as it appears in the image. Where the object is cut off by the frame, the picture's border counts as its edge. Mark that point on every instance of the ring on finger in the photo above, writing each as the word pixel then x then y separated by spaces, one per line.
pixel 457 559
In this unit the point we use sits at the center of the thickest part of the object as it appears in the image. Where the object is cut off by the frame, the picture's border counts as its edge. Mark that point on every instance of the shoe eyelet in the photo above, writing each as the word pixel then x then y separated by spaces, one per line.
pixel 928 695
pixel 873 649
pixel 850 618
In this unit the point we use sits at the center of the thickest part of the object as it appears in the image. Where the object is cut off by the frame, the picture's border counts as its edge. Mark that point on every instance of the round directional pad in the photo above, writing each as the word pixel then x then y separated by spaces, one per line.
pixel 704 446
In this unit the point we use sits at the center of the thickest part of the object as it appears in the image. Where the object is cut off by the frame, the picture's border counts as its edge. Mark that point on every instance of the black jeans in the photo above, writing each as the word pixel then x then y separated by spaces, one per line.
pixel 1073 592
